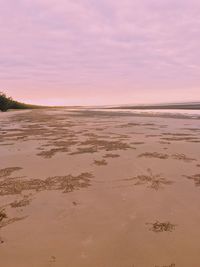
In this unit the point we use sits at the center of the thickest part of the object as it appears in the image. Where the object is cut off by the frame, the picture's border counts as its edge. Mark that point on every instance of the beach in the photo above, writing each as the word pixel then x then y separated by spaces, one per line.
pixel 88 187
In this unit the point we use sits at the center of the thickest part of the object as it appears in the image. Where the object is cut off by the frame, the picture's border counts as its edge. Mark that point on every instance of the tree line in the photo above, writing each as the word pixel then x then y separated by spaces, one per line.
pixel 7 103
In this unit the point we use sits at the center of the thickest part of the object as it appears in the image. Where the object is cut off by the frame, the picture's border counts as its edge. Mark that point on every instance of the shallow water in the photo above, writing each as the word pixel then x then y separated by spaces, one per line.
pixel 188 113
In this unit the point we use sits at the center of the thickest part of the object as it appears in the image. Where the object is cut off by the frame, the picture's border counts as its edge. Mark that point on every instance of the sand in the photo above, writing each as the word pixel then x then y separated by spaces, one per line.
pixel 84 188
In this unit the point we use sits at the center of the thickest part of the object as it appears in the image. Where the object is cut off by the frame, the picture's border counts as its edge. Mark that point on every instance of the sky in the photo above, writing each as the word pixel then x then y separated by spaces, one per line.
pixel 100 52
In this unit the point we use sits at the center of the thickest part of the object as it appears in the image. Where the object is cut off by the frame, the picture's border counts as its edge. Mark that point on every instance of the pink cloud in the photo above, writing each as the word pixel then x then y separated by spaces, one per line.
pixel 91 50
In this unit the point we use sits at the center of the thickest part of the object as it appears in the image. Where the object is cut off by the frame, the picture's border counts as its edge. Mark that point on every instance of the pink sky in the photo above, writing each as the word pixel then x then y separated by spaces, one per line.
pixel 87 52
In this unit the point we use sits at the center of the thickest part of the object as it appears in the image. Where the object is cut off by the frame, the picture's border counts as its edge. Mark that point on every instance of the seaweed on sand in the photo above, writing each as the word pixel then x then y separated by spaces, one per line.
pixel 171 265
pixel 154 155
pixel 2 215
pixel 182 157
pixel 153 181
pixel 8 171
pixel 159 227
pixel 102 162
pixel 67 183
pixel 195 178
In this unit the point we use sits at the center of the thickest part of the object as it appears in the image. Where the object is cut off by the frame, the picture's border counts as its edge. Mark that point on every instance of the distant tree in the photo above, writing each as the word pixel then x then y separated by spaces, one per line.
pixel 5 102
pixel 8 103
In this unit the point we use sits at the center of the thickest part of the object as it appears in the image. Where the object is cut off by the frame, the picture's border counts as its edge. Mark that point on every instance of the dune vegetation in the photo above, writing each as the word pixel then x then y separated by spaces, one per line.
pixel 7 103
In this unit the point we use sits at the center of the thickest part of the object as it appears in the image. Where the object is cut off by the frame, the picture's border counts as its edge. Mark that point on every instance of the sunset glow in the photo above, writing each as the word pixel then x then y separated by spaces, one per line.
pixel 96 52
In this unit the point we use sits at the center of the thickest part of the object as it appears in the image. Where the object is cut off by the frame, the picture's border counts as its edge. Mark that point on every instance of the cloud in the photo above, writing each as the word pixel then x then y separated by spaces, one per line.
pixel 83 46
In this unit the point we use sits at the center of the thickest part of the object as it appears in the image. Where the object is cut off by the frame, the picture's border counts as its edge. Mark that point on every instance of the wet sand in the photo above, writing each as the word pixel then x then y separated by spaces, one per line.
pixel 89 188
